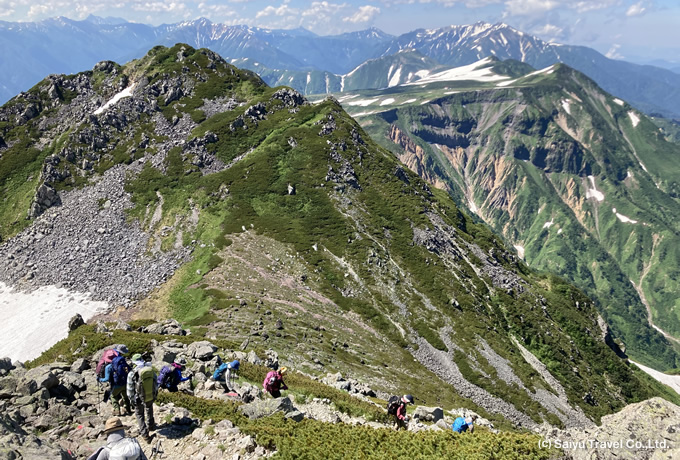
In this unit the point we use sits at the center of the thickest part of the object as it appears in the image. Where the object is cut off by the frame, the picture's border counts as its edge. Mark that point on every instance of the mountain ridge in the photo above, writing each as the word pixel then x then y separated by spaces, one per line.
pixel 261 190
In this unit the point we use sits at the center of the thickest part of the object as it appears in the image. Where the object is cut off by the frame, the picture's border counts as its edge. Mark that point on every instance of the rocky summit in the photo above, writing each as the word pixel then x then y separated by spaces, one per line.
pixel 276 231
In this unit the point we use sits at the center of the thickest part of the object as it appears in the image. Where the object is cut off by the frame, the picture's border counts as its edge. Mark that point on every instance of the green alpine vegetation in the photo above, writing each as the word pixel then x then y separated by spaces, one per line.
pixel 304 236
pixel 582 185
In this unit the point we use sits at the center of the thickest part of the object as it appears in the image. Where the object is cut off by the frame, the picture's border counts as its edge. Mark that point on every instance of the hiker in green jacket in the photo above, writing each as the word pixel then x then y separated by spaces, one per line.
pixel 142 389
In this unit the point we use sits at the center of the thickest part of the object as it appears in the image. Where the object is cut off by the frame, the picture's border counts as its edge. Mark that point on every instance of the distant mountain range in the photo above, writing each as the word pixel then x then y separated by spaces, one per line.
pixel 61 45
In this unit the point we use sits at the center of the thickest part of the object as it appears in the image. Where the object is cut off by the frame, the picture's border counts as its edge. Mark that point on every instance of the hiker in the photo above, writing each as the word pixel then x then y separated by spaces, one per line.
pixel 461 425
pixel 171 376
pixel 106 358
pixel 116 374
pixel 117 444
pixel 397 406
pixel 273 382
pixel 142 389
pixel 229 372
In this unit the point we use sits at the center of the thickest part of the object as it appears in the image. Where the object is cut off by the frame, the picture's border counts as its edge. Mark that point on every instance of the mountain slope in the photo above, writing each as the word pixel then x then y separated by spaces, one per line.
pixel 582 184
pixel 269 220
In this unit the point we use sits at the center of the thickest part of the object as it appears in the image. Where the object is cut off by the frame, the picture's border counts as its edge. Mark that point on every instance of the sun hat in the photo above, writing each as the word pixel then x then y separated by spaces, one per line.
pixel 283 370
pixel 137 357
pixel 113 424
pixel 122 349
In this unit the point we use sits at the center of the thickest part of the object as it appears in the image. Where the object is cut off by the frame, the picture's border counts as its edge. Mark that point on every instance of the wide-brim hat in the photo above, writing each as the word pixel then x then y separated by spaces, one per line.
pixel 283 370
pixel 122 349
pixel 114 424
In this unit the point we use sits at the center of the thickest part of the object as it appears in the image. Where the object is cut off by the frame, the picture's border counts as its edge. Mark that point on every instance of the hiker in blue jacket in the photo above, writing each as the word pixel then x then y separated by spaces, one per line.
pixel 461 425
pixel 116 373
pixel 171 376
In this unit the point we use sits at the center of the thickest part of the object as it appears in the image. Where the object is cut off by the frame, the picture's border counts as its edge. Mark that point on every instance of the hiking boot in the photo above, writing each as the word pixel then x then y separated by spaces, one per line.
pixel 116 412
pixel 147 438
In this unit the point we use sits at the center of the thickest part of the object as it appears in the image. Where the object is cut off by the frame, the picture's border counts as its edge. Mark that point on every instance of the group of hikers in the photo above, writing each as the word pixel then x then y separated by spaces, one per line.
pixel 396 406
pixel 137 386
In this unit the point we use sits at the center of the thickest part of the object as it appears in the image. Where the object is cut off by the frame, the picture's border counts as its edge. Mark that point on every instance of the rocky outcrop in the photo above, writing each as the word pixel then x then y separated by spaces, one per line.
pixel 646 430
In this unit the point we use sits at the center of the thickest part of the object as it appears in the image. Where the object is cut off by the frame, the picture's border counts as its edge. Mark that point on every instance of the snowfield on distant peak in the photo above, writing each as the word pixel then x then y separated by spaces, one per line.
pixel 634 118
pixel 468 72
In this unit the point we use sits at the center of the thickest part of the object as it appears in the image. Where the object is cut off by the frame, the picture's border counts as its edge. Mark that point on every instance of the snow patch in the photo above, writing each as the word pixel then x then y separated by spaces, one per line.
pixel 363 114
pixel 363 102
pixel 634 118
pixel 566 106
pixel 547 70
pixel 506 83
pixel 394 81
pixel 594 192
pixel 34 321
pixel 672 381
pixel 422 73
pixel 624 219
pixel 451 92
pixel 618 101
pixel 559 231
pixel 389 100
pixel 520 251
pixel 548 224
pixel 409 101
pixel 468 72
pixel 127 92
pixel 472 206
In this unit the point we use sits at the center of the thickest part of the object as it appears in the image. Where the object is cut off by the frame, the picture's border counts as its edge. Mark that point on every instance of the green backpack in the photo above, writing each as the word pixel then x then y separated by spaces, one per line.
pixel 146 384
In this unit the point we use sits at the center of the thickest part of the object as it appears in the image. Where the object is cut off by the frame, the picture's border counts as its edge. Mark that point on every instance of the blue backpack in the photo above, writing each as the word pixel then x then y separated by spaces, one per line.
pixel 219 372
pixel 120 370
pixel 165 377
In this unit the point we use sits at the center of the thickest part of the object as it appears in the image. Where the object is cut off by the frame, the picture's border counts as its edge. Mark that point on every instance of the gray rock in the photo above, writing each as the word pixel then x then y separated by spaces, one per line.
pixel 43 377
pixel 6 364
pixel 122 326
pixel 27 387
pixel 295 415
pixel 252 358
pixel 167 327
pixel 75 322
pixel 266 407
pixel 429 414
pixel 202 350
pixel 79 365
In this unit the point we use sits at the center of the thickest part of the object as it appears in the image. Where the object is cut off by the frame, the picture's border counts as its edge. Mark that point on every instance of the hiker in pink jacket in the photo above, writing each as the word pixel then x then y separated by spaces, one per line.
pixel 273 382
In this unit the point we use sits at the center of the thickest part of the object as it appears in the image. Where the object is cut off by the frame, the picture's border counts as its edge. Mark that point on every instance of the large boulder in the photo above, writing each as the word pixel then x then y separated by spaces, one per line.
pixel 429 414
pixel 75 322
pixel 44 377
pixel 203 350
pixel 5 366
pixel 266 407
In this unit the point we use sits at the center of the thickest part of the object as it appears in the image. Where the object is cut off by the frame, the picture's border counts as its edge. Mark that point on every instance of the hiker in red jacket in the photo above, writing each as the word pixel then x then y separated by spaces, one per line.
pixel 273 382
pixel 401 417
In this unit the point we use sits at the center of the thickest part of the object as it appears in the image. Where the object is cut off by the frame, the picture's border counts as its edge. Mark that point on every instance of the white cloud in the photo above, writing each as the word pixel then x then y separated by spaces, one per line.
pixel 549 31
pixel 282 10
pixel 530 7
pixel 365 13
pixel 638 9
pixel 159 7
pixel 613 52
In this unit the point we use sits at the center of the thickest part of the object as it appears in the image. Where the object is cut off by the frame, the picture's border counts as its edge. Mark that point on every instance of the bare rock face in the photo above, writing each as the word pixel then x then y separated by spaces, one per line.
pixel 646 430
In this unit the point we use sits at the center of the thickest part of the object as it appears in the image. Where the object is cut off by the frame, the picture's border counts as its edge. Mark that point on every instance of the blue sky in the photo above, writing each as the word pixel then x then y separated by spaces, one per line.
pixel 625 29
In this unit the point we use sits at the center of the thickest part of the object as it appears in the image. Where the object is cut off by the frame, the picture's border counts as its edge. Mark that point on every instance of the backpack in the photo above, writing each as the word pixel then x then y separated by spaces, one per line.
pixel 267 384
pixel 165 377
pixel 125 449
pixel 107 357
pixel 219 372
pixel 120 370
pixel 145 385
pixel 393 404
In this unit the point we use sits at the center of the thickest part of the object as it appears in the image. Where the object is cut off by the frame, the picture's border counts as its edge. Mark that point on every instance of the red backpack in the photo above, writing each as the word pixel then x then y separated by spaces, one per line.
pixel 107 358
